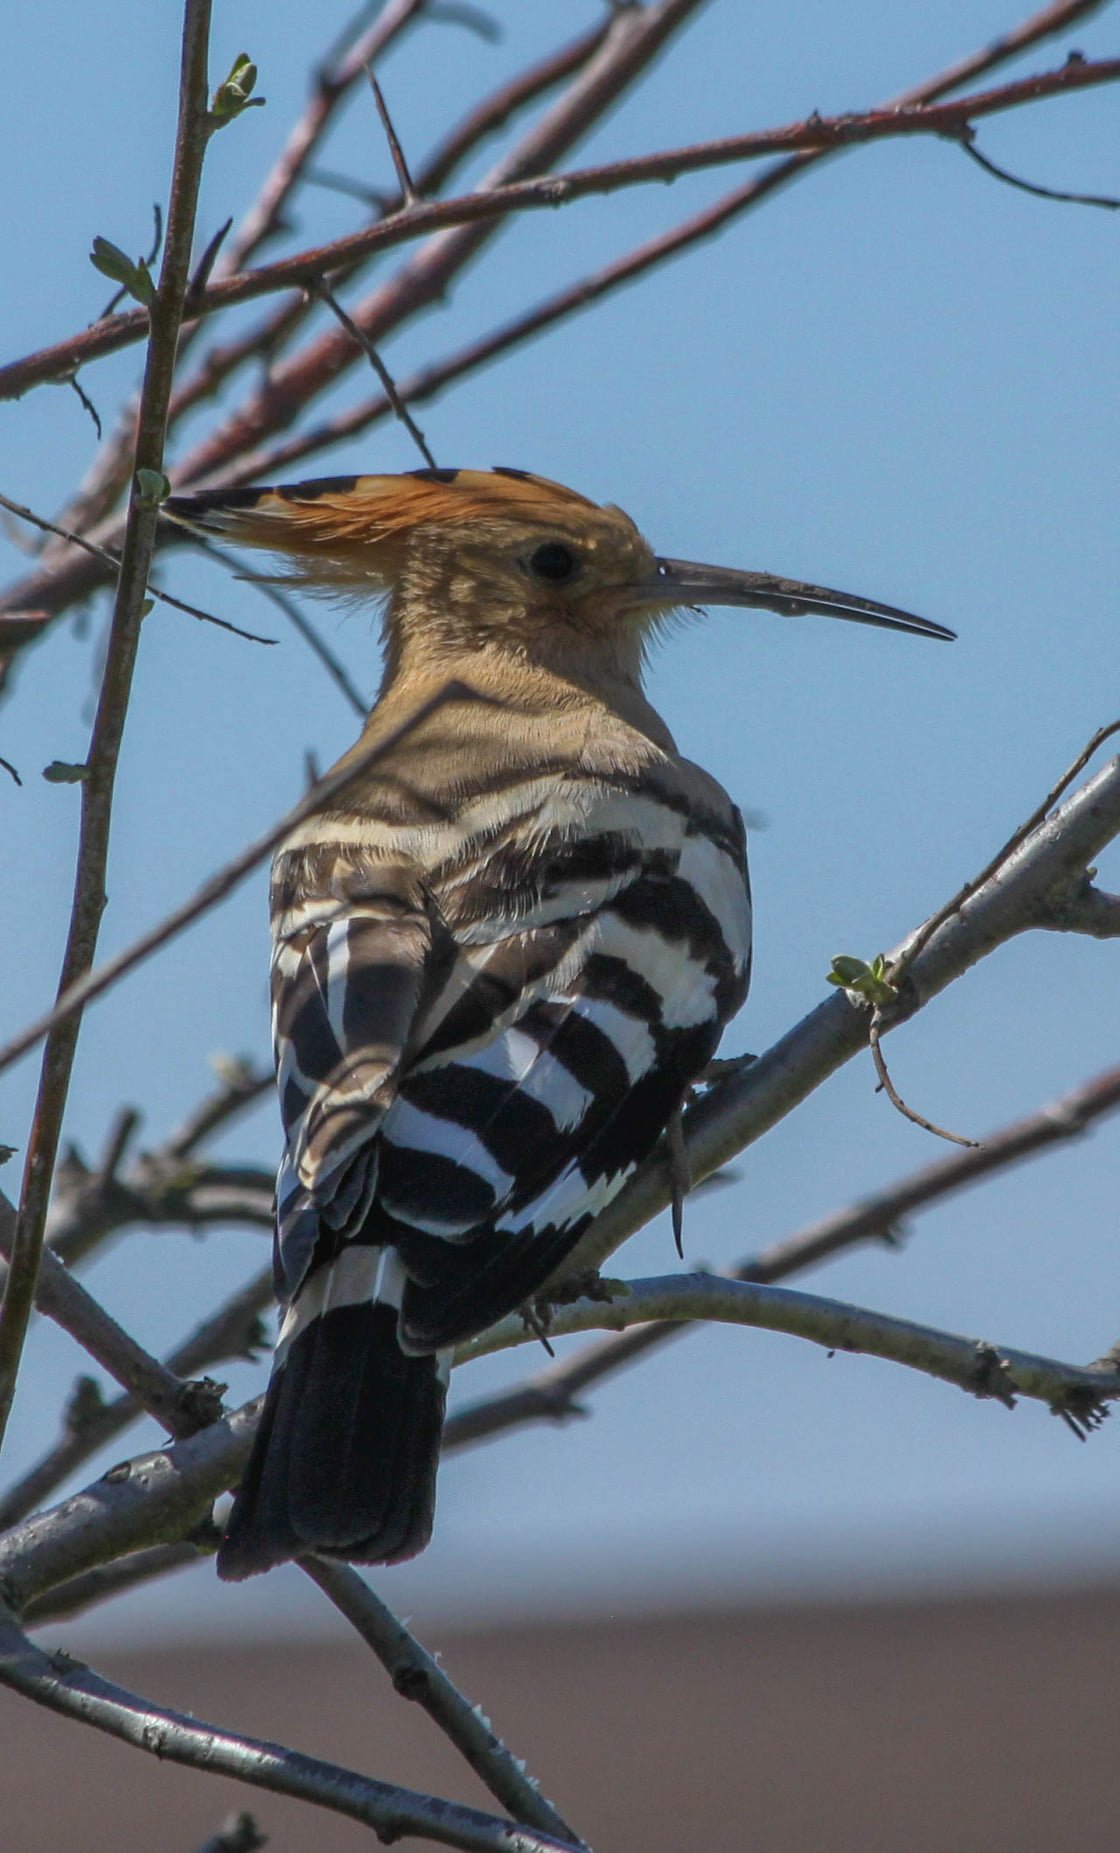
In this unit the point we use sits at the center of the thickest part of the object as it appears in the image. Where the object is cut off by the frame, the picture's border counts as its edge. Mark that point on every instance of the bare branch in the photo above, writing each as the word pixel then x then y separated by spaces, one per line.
pixel 417 1676
pixel 1086 910
pixel 299 623
pixel 240 1085
pixel 1030 186
pixel 493 113
pixel 67 1686
pixel 816 134
pixel 343 67
pixel 180 1407
pixel 915 945
pixel 874 1033
pixel 71 579
pixel 1080 1391
pixel 157 1498
pixel 409 195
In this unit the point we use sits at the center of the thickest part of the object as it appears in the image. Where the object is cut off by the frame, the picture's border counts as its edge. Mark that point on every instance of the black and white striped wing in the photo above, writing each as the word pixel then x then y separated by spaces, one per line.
pixel 546 1070
pixel 353 957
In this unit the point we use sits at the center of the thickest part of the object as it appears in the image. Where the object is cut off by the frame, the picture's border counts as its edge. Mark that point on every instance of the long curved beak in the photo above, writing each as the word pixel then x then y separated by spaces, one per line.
pixel 682 582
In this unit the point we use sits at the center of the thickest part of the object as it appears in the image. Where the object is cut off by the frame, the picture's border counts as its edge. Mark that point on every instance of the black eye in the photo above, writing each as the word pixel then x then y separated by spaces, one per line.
pixel 554 562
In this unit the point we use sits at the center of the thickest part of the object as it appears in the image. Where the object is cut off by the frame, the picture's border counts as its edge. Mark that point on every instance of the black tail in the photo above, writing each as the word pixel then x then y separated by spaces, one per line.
pixel 345 1458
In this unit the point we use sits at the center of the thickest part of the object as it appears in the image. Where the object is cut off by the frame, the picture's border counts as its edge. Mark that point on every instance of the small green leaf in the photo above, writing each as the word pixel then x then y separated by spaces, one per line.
pixel 236 93
pixel 869 982
pixel 116 264
pixel 148 605
pixel 846 971
pixel 152 488
pixel 61 772
pixel 6 1152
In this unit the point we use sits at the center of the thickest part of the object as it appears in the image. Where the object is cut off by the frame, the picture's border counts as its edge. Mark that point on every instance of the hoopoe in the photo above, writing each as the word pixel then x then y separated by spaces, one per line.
pixel 497 966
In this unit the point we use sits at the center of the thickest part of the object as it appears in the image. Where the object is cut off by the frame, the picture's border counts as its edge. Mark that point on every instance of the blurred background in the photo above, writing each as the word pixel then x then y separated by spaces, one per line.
pixel 898 376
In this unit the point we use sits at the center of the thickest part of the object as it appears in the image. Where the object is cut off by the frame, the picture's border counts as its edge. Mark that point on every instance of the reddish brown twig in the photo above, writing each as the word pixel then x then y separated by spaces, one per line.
pixel 816 134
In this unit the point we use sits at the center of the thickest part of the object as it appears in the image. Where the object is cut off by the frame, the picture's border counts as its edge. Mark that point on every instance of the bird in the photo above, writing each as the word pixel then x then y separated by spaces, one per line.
pixel 500 959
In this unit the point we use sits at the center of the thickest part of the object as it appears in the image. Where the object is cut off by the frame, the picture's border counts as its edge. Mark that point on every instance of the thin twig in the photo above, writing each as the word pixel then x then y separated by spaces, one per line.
pixel 343 67
pixel 75 997
pixel 87 404
pixel 97 789
pixel 114 560
pixel 400 409
pixel 1030 186
pixel 417 1676
pixel 409 195
pixel 883 1015
pixel 240 1085
pixel 494 112
pixel 744 1106
pixel 874 1031
pixel 297 620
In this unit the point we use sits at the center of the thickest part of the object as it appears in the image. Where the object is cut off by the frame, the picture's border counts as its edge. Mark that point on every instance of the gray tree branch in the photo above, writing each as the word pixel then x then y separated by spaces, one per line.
pixel 417 1676
pixel 75 1691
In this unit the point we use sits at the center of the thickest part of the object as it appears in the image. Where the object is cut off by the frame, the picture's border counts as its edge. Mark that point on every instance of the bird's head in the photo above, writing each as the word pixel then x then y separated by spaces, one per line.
pixel 467 560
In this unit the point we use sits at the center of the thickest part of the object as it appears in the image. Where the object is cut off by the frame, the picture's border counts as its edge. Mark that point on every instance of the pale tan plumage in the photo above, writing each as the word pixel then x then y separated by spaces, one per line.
pixel 496 970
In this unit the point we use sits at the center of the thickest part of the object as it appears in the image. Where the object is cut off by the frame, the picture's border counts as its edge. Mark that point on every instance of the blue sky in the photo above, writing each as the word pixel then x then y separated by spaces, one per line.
pixel 898 377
